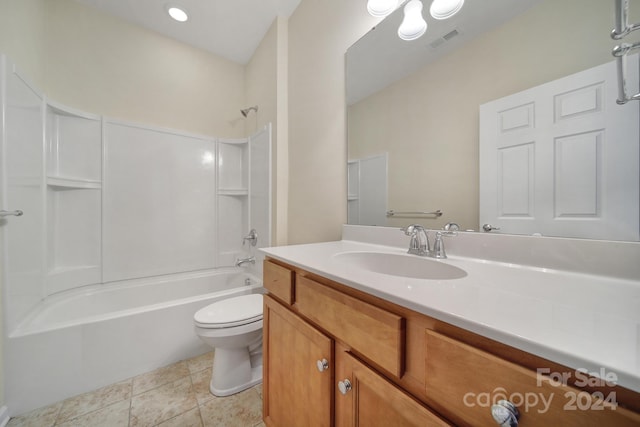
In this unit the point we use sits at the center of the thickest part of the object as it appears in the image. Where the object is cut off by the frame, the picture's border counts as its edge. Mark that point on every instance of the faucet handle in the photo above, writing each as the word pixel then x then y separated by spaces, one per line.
pixel 438 246
pixel 451 226
pixel 411 230
pixel 252 237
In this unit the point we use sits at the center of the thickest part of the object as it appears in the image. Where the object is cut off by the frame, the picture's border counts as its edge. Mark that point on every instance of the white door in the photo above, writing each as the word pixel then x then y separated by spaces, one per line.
pixel 561 159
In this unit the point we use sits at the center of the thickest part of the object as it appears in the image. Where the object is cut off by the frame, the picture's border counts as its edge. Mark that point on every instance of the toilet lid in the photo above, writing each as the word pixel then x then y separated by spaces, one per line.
pixel 230 312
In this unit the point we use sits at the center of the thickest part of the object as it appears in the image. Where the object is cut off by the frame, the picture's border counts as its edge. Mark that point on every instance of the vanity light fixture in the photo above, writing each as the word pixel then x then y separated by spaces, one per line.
pixel 443 9
pixel 177 13
pixel 413 25
pixel 380 8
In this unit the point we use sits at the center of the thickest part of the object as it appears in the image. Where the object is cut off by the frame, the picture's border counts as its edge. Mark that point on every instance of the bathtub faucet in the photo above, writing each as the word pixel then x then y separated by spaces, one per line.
pixel 240 262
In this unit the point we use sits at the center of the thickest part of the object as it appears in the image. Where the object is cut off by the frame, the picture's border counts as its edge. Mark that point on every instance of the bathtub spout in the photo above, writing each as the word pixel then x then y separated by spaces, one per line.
pixel 240 262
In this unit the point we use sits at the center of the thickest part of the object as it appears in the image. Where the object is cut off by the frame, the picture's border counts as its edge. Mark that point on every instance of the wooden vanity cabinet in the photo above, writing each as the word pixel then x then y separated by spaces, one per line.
pixel 397 367
pixel 295 391
pixel 365 398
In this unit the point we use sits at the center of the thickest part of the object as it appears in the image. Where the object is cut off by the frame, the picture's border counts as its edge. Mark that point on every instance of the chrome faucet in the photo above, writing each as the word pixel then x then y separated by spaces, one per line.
pixel 419 244
pixel 242 261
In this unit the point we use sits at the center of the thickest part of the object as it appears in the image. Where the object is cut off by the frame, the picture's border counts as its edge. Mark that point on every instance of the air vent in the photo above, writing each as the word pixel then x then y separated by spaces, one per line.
pixel 450 35
pixel 440 40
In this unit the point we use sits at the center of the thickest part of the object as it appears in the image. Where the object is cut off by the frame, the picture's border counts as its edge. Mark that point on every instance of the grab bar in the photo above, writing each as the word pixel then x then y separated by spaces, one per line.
pixel 435 214
pixel 621 30
pixel 10 213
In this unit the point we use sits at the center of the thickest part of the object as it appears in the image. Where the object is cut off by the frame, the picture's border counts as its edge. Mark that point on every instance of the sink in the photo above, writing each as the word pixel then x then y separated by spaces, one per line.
pixel 401 265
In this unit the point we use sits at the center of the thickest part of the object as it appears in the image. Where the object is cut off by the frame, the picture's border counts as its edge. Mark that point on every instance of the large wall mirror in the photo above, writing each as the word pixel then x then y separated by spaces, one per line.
pixel 413 106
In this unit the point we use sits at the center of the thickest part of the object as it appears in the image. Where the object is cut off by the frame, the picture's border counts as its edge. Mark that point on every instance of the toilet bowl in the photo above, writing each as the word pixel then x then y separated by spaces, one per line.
pixel 233 327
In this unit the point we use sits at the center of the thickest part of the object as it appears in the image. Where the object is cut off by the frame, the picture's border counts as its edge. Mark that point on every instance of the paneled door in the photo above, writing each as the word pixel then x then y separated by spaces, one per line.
pixel 561 159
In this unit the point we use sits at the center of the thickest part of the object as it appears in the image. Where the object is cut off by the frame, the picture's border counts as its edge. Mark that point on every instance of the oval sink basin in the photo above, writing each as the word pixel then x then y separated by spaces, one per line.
pixel 401 265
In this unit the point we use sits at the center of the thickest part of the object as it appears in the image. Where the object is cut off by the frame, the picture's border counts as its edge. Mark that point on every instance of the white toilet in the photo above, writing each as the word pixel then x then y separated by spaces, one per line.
pixel 234 328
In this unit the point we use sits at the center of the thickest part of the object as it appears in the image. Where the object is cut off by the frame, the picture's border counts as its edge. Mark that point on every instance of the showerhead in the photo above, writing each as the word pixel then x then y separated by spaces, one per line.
pixel 246 111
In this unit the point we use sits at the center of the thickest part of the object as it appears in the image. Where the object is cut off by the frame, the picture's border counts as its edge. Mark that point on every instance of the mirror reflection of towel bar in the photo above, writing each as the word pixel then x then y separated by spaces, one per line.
pixel 435 214
pixel 10 213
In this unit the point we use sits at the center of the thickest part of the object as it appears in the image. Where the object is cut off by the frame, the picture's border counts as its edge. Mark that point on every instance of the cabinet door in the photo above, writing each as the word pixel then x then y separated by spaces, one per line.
pixel 296 392
pixel 371 400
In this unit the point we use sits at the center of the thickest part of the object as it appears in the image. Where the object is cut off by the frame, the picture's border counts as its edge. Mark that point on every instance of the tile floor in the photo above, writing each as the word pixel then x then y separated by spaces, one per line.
pixel 174 396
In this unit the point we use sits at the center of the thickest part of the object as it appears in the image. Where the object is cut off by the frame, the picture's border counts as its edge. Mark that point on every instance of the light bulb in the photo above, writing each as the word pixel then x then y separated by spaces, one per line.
pixel 413 25
pixel 443 9
pixel 380 8
pixel 178 14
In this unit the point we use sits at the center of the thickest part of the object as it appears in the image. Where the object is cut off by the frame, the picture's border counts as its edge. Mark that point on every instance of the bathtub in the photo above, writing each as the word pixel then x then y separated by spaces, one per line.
pixel 84 339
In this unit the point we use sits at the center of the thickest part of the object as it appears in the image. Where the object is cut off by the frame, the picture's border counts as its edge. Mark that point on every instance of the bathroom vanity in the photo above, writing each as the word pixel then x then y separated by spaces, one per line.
pixel 347 346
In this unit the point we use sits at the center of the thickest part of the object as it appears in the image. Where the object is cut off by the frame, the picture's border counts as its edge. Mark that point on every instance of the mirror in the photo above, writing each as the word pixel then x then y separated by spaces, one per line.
pixel 413 107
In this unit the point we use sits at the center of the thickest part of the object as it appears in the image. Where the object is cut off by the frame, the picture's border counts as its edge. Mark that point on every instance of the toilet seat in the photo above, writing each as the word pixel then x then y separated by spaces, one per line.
pixel 230 312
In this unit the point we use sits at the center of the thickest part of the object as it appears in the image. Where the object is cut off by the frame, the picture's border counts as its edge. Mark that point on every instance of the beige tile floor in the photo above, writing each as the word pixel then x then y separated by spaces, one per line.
pixel 174 396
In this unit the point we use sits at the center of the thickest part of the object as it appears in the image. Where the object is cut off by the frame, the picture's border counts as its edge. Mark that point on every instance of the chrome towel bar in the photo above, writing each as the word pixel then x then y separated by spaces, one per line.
pixel 10 213
pixel 435 214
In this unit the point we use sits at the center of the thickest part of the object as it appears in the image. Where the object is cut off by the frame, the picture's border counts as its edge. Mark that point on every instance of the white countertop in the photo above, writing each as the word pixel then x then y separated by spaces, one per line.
pixel 579 320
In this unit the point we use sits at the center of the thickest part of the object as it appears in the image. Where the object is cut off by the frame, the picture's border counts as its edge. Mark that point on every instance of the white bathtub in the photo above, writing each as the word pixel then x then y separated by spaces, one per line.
pixel 94 336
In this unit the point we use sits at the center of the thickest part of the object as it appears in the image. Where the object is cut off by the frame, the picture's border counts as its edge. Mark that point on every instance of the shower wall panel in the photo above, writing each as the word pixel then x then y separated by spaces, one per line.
pixel 159 202
pixel 22 175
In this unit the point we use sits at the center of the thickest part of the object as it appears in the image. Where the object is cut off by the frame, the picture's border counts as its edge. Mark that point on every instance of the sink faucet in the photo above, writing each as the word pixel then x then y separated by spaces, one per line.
pixel 419 244
pixel 242 261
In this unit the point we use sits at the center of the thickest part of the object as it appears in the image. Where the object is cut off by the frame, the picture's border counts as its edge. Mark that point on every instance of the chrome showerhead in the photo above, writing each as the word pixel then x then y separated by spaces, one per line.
pixel 246 111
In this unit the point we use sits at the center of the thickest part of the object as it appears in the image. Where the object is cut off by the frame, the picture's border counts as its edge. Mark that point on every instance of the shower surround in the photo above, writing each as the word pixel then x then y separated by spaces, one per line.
pixel 109 205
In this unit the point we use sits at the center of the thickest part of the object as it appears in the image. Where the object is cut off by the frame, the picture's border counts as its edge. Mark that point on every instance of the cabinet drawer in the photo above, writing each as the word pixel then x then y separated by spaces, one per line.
pixel 278 281
pixel 368 330
pixel 467 381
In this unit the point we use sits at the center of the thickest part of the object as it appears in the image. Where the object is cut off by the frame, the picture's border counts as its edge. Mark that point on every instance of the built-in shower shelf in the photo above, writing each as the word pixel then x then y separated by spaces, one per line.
pixel 72 183
pixel 233 192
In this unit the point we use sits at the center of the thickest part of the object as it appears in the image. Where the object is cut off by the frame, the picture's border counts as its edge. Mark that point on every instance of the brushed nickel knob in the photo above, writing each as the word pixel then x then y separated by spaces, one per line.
pixel 322 365
pixel 344 386
pixel 505 413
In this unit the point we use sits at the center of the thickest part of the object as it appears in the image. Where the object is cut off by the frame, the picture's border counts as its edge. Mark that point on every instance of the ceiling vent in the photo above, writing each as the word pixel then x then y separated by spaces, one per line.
pixel 441 40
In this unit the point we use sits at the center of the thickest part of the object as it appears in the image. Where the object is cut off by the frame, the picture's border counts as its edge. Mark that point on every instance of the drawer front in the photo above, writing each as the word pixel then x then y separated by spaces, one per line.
pixel 278 281
pixel 369 330
pixel 467 381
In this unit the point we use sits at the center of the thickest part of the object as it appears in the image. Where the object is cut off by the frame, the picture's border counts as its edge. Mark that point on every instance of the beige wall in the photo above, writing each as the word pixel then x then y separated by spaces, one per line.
pixel 320 31
pixel 431 118
pixel 263 76
pixel 22 36
pixel 101 64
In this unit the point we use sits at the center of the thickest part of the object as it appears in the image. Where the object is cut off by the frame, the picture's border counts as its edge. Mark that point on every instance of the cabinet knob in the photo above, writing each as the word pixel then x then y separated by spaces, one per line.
pixel 322 365
pixel 344 386
pixel 505 413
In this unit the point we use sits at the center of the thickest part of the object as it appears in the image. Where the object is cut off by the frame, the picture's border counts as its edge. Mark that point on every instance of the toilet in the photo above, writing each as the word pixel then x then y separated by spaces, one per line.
pixel 233 327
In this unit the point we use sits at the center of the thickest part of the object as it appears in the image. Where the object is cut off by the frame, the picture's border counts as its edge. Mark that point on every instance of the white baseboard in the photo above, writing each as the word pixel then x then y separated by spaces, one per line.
pixel 4 416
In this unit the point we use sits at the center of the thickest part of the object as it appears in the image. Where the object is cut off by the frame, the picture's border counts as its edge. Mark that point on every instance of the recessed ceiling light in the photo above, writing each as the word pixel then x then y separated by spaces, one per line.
pixel 177 13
